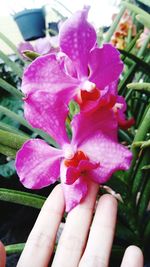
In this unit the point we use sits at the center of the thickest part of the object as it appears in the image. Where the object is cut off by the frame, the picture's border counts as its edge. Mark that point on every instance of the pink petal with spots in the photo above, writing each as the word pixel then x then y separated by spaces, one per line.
pixel 74 193
pixel 38 164
pixel 85 125
pixel 105 65
pixel 47 112
pixel 77 38
pixel 109 154
pixel 46 73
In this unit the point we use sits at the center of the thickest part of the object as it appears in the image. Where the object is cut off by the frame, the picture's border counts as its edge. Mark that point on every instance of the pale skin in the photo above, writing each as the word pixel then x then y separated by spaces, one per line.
pixel 85 241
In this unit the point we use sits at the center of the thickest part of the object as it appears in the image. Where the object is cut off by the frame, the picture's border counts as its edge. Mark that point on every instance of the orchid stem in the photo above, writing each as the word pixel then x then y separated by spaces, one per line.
pixel 22 198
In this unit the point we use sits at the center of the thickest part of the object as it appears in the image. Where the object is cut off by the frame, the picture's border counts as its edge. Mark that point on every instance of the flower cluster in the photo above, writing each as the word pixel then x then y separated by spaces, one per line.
pixel 119 37
pixel 87 74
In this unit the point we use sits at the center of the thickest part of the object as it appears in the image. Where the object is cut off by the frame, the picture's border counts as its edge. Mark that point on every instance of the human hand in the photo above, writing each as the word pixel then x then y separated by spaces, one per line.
pixel 84 242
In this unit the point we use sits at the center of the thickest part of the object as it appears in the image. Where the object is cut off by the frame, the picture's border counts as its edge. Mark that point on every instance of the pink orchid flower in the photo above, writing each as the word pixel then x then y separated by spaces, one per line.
pixel 41 46
pixel 92 154
pixel 81 71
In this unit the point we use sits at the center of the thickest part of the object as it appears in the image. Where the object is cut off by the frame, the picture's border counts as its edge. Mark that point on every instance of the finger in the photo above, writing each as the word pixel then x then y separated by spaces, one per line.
pixel 74 236
pixel 133 257
pixel 2 255
pixel 40 244
pixel 101 235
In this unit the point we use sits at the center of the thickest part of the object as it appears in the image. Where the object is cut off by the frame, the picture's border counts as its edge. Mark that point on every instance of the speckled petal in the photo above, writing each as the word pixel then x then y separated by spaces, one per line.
pixel 105 65
pixel 77 38
pixel 38 164
pixel 48 113
pixel 73 192
pixel 84 125
pixel 109 154
pixel 46 73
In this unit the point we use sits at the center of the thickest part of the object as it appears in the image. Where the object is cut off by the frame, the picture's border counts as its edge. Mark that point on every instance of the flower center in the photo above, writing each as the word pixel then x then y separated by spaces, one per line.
pixel 88 92
pixel 74 161
pixel 117 106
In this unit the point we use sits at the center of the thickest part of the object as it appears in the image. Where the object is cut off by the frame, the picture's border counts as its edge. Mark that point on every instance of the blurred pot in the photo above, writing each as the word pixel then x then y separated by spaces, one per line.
pixel 31 23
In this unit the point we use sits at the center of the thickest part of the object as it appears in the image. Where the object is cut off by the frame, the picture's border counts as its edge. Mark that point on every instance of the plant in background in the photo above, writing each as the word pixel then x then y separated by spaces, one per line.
pixel 126 28
pixel 52 80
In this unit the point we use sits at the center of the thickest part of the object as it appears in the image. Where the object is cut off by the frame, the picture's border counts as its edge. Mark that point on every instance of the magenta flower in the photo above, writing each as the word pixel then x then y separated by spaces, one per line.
pixel 41 46
pixel 93 153
pixel 81 71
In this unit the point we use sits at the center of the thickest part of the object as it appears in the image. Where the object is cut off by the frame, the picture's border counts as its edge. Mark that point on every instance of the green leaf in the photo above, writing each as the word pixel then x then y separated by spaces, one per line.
pixel 31 55
pixel 143 129
pixel 9 128
pixel 114 25
pixel 11 89
pixel 138 173
pixel 8 151
pixel 145 2
pixel 147 167
pixel 11 45
pixel 14 66
pixel 12 140
pixel 15 248
pixel 143 87
pixel 139 61
pixel 136 9
pixel 147 233
pixel 73 108
pixel 18 197
pixel 124 233
pixel 143 20
pixel 141 144
pixel 7 169
pixel 144 198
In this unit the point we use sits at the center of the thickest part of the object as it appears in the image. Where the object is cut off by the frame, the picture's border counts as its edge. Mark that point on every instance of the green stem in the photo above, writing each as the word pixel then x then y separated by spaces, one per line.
pixel 140 136
pixel 11 89
pixel 22 198
pixel 15 68
pixel 130 73
pixel 8 128
pixel 11 45
pixel 12 140
pixel 14 248
pixel 114 25
pixel 8 151
pixel 139 86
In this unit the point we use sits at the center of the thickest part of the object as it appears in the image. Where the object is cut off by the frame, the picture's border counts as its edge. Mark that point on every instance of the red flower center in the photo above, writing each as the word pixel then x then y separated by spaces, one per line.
pixel 78 156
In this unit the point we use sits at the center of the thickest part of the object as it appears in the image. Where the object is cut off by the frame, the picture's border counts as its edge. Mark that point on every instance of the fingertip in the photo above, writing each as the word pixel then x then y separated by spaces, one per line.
pixel 133 257
pixel 109 200
pixel 134 250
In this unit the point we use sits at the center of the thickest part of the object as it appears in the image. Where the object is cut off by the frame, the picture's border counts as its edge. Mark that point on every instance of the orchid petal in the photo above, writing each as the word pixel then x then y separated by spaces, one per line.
pixel 46 73
pixel 77 38
pixel 48 113
pixel 43 45
pixel 74 192
pixel 105 65
pixel 38 164
pixel 101 120
pixel 109 154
